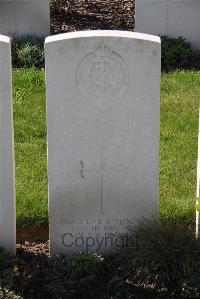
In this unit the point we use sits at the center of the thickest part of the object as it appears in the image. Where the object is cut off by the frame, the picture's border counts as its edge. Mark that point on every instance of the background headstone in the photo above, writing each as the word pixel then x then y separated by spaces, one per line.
pixel 7 181
pixel 173 18
pixel 23 17
pixel 103 136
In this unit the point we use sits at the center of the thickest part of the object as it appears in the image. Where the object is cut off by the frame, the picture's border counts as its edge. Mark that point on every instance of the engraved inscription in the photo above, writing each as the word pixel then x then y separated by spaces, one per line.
pixel 102 73
pixel 97 233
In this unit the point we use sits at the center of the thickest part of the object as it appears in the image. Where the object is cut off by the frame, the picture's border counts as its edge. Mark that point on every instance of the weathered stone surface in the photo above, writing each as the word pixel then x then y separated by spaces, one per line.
pixel 24 17
pixel 7 182
pixel 169 17
pixel 103 136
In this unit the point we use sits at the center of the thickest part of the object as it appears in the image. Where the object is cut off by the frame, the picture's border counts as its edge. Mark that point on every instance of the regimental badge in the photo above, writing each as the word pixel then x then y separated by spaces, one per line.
pixel 102 73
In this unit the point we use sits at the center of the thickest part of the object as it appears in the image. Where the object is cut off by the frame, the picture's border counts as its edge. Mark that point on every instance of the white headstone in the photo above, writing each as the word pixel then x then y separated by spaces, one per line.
pixel 103 136
pixel 7 182
pixel 24 17
pixel 173 18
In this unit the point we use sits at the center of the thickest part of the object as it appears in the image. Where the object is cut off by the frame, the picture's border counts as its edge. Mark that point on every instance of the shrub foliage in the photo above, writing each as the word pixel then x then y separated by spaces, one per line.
pixel 28 52
pixel 165 255
pixel 161 261
pixel 178 54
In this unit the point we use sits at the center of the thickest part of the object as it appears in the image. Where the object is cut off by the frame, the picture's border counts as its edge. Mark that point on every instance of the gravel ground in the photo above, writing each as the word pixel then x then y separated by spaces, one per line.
pixel 93 14
pixel 33 247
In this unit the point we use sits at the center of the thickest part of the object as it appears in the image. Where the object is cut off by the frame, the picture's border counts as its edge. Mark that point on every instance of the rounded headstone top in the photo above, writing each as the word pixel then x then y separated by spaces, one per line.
pixel 103 33
pixel 4 39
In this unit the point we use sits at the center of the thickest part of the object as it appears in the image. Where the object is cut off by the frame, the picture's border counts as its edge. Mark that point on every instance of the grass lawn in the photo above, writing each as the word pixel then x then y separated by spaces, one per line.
pixel 180 93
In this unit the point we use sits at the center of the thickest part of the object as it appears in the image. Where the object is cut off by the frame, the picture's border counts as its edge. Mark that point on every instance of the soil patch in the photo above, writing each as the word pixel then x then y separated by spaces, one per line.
pixel 31 234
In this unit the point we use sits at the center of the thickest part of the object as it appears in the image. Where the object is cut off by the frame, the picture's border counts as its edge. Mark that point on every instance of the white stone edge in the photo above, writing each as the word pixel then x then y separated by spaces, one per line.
pixel 103 33
pixel 4 39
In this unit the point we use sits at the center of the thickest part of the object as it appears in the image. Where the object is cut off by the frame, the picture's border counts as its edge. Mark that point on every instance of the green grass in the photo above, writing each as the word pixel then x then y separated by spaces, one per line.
pixel 30 146
pixel 180 92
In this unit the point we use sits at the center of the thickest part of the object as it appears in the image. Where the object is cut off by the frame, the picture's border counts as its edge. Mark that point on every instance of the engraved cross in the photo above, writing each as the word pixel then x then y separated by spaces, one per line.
pixel 102 171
